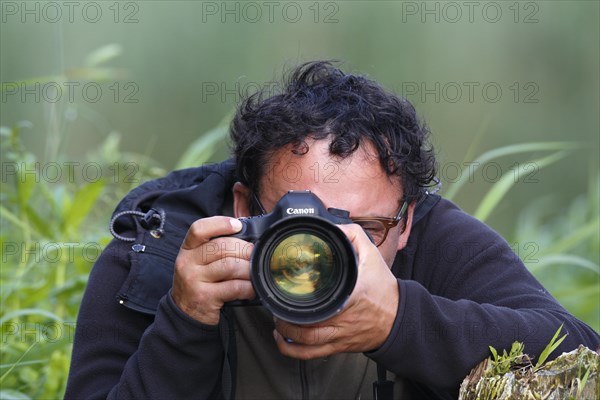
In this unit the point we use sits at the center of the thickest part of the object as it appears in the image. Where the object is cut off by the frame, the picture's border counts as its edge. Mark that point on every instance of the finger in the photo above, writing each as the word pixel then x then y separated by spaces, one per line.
pixel 359 239
pixel 302 351
pixel 236 289
pixel 226 269
pixel 203 229
pixel 222 248
pixel 306 334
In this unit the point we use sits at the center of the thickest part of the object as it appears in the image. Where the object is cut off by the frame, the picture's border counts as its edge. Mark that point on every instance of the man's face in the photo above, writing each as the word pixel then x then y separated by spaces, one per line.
pixel 357 184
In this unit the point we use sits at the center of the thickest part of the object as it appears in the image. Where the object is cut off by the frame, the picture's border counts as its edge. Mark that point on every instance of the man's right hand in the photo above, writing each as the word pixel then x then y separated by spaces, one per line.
pixel 208 272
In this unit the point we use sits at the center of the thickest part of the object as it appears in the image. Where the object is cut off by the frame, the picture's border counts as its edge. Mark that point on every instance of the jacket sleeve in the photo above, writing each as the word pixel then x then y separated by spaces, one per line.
pixel 124 354
pixel 470 291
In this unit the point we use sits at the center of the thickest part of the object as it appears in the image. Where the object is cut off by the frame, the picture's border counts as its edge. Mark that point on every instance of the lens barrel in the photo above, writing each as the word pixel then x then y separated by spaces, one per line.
pixel 304 269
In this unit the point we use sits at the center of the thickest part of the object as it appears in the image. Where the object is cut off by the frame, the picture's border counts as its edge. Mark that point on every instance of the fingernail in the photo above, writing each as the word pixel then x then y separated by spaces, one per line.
pixel 235 224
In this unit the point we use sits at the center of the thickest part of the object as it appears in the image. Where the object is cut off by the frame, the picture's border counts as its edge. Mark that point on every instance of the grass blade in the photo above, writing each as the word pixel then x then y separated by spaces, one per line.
pixel 500 188
pixel 505 151
pixel 550 347
pixel 569 259
pixel 82 203
pixel 203 148
pixel 4 375
pixel 30 311
pixel 576 237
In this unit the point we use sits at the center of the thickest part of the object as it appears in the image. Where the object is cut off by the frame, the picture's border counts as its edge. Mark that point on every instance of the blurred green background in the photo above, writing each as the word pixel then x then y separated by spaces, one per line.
pixel 130 88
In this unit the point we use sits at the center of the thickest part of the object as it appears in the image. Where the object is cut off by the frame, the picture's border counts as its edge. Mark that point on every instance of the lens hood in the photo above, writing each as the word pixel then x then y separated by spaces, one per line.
pixel 303 268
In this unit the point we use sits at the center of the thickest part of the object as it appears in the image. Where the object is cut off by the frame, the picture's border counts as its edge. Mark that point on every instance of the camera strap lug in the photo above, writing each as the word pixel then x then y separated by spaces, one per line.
pixel 383 389
pixel 138 248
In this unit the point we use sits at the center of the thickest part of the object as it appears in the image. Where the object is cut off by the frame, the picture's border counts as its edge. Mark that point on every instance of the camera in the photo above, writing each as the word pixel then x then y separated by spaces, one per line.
pixel 303 267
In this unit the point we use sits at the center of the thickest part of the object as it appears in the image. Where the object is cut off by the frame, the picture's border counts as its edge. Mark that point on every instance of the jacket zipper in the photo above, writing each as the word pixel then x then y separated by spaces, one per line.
pixel 304 380
pixel 140 248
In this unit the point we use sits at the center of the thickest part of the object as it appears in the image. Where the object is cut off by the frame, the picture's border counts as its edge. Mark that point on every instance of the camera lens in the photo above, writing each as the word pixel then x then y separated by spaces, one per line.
pixel 302 266
pixel 303 269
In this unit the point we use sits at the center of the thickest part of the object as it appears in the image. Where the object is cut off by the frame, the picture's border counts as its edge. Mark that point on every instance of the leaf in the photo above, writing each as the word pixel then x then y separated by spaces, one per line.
pixel 5 131
pixel 565 259
pixel 494 353
pixel 41 225
pixel 206 146
pixel 81 205
pixel 505 151
pixel 4 213
pixel 500 188
pixel 582 382
pixel 103 54
pixel 30 311
pixel 550 347
pixel 4 375
pixel 27 178
pixel 10 394
pixel 575 238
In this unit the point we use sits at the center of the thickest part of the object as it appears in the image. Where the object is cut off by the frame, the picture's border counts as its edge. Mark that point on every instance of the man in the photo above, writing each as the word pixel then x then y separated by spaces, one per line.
pixel 435 287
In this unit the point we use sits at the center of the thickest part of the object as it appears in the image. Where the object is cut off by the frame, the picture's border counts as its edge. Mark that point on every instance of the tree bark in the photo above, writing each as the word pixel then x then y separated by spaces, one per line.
pixel 562 378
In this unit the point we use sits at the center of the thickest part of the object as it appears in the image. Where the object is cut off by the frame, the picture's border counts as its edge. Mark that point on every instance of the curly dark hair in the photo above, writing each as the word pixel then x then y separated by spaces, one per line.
pixel 319 101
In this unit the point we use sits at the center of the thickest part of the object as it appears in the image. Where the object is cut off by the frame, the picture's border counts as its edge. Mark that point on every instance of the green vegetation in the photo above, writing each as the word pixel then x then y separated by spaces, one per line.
pixel 572 375
pixel 49 240
pixel 51 237
pixel 562 249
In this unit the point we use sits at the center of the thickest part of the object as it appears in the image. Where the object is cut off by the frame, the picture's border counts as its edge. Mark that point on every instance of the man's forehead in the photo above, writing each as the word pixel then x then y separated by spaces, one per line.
pixel 315 161
pixel 357 182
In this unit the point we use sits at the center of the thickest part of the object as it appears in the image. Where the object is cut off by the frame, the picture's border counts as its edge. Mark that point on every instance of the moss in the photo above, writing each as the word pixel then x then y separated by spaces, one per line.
pixel 572 375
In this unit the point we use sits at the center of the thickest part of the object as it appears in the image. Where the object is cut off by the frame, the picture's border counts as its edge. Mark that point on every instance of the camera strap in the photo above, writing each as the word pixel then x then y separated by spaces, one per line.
pixel 383 389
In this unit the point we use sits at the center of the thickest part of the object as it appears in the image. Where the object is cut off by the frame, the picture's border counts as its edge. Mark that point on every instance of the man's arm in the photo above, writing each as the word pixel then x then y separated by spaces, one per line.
pixel 463 289
pixel 436 340
pixel 120 353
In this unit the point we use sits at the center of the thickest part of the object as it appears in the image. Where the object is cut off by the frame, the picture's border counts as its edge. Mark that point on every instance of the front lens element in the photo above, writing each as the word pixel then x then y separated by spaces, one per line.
pixel 302 266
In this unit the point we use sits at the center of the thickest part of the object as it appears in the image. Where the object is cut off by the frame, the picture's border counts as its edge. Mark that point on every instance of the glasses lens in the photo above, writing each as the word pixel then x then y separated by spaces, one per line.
pixel 302 266
pixel 374 228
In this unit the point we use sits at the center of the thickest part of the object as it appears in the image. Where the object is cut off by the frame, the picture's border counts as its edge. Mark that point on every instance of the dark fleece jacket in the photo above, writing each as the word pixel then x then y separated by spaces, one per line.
pixel 461 286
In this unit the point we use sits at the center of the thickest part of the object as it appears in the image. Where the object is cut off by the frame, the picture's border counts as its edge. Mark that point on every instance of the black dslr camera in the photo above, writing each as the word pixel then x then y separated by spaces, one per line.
pixel 303 267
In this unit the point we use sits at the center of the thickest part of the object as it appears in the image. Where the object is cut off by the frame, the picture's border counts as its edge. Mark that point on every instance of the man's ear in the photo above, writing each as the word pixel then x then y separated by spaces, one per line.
pixel 242 197
pixel 403 239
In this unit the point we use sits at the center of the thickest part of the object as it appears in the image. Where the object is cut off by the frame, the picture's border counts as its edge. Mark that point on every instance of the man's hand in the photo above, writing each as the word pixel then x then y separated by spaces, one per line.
pixel 209 272
pixel 365 322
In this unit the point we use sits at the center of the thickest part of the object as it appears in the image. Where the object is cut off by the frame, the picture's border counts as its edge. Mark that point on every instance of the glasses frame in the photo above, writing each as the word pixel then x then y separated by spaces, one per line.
pixel 259 204
pixel 388 223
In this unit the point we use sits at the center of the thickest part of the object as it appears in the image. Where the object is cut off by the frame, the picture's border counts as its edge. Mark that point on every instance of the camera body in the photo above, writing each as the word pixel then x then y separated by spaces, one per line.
pixel 303 267
pixel 294 204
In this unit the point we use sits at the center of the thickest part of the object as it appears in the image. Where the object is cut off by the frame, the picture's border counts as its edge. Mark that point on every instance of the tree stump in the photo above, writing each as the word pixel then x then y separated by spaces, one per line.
pixel 572 375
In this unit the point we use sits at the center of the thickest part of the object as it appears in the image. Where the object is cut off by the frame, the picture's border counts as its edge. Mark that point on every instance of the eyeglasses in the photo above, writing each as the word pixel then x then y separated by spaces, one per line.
pixel 376 227
pixel 379 227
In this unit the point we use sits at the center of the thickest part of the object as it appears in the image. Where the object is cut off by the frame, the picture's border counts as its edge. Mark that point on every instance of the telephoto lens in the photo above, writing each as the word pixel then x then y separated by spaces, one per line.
pixel 303 267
